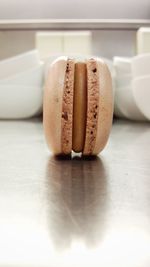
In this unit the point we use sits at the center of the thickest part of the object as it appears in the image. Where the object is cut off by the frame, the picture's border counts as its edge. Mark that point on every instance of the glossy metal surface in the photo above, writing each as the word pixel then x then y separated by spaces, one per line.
pixel 63 212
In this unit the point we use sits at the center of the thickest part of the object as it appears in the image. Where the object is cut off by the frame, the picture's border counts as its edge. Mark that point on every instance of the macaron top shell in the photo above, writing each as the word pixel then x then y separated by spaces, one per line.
pixel 67 108
pixel 52 111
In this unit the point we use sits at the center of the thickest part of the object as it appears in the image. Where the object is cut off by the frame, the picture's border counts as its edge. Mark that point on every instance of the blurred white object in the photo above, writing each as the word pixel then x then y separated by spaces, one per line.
pixel 141 65
pixel 123 80
pixel 141 93
pixel 32 77
pixel 122 65
pixel 117 110
pixel 77 42
pixel 20 63
pixel 126 104
pixel 19 101
pixel 21 82
pixel 131 95
pixel 143 40
pixel 51 43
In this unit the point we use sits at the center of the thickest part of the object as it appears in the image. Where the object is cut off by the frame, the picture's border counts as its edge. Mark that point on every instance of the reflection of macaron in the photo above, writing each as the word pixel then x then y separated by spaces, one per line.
pixel 77 106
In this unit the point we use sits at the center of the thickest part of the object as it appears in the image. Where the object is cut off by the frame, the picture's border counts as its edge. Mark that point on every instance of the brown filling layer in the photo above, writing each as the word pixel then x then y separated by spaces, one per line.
pixel 79 107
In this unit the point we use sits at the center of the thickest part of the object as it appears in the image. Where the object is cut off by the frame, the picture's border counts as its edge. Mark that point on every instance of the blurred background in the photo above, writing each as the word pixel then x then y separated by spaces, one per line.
pixel 122 42
pixel 41 9
pixel 40 31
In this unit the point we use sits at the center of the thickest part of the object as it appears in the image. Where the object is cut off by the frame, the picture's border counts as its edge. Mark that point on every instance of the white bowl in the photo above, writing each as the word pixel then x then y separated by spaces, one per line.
pixel 31 77
pixel 19 102
pixel 123 80
pixel 141 65
pixel 20 63
pixel 118 113
pixel 122 65
pixel 141 94
pixel 126 105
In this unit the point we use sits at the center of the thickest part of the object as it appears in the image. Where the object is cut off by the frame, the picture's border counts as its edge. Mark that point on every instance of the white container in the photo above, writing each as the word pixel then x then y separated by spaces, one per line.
pixel 141 94
pixel 141 65
pixel 122 65
pixel 126 105
pixel 19 102
pixel 123 80
pixel 32 77
pixel 17 64
pixel 70 42
pixel 49 43
pixel 118 113
pixel 77 42
pixel 143 40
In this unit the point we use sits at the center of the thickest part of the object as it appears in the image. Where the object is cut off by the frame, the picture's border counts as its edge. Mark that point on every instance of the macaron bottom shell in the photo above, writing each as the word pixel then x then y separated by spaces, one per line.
pixel 93 88
pixel 67 108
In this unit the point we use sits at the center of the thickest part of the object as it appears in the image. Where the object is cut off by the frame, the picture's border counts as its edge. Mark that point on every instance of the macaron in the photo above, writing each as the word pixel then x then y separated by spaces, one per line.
pixel 78 106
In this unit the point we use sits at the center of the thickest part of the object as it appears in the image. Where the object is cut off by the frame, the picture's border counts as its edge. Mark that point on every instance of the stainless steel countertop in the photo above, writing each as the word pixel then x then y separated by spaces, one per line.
pixel 73 213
